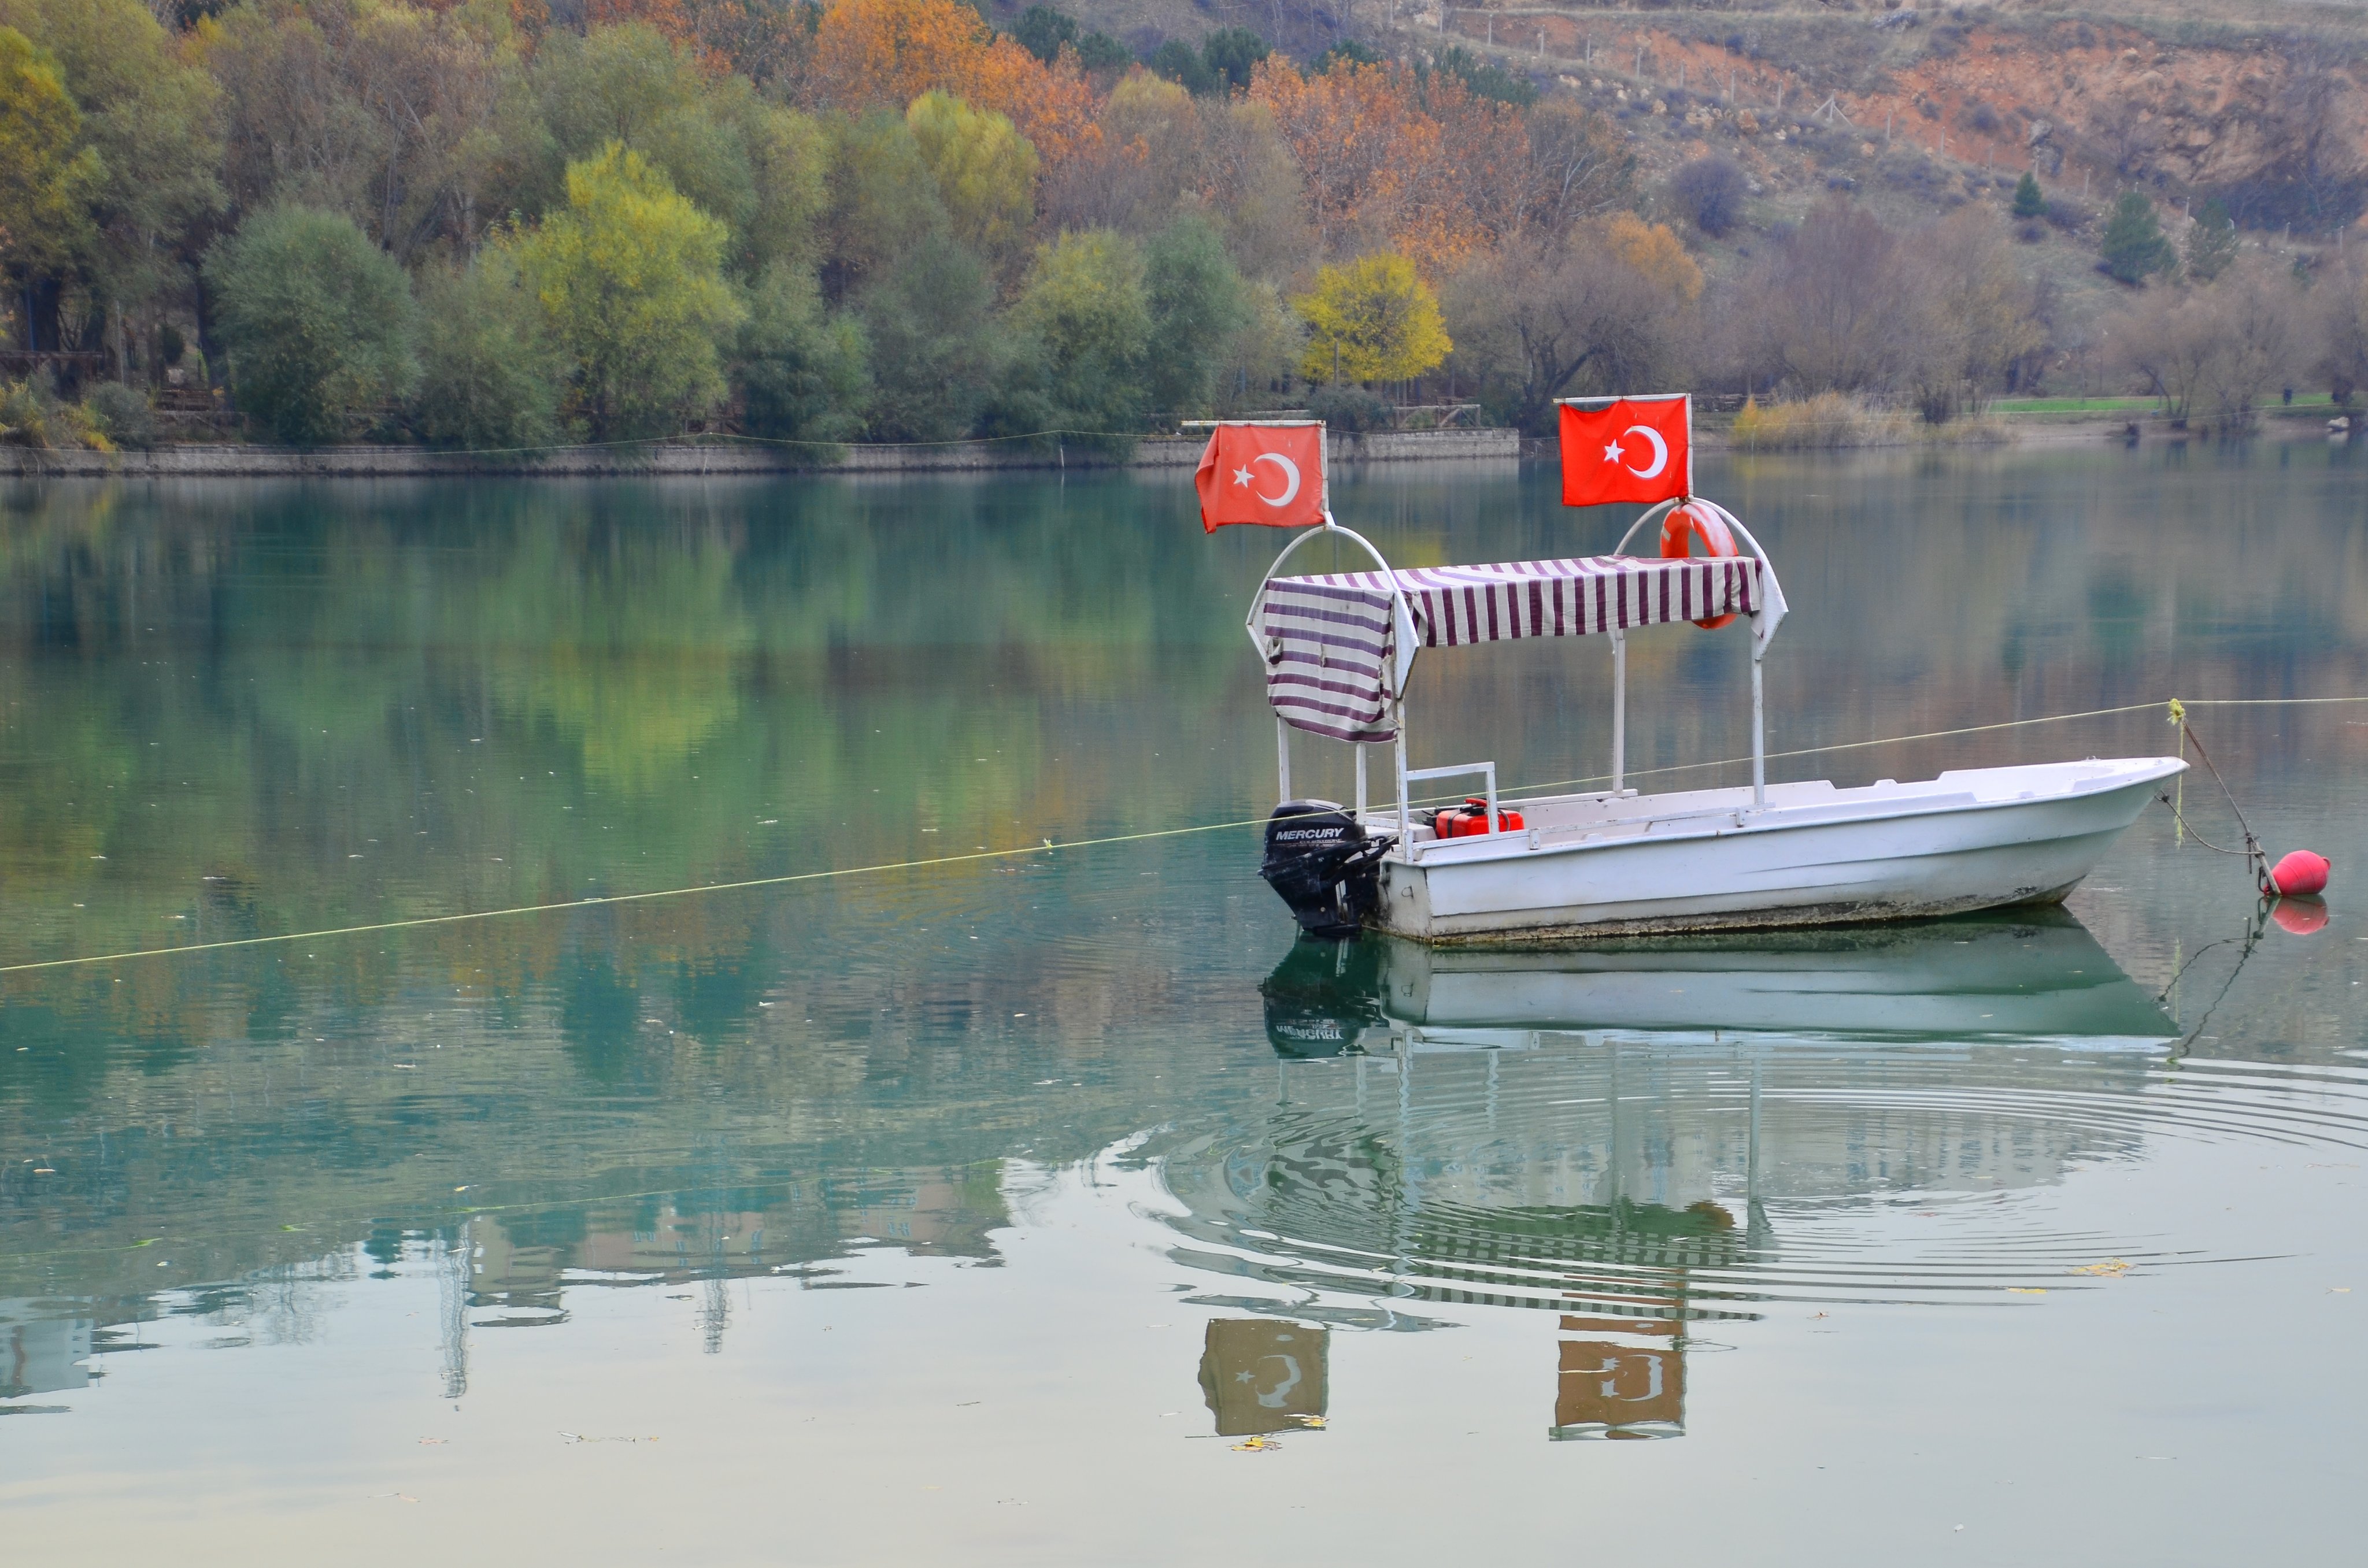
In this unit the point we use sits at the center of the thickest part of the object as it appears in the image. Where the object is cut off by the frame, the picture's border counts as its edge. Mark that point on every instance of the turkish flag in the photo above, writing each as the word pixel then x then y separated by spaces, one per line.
pixel 1263 473
pixel 1626 449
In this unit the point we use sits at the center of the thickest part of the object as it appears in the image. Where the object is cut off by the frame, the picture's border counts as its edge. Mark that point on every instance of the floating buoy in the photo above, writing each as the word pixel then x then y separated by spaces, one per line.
pixel 2300 872
pixel 2300 915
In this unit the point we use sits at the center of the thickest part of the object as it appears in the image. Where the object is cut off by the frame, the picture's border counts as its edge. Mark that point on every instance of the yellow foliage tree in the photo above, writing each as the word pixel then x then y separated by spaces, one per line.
pixel 985 170
pixel 629 275
pixel 1374 319
pixel 43 180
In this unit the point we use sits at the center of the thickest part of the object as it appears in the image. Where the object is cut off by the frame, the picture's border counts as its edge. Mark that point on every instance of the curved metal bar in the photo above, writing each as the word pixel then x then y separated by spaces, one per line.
pixel 1766 622
pixel 1652 515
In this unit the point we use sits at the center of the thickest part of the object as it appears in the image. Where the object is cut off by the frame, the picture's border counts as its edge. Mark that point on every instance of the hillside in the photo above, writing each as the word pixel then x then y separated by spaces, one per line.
pixel 2265 107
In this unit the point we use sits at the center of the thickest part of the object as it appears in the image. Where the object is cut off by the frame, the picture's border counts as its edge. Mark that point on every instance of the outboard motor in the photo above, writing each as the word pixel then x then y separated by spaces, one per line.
pixel 1326 867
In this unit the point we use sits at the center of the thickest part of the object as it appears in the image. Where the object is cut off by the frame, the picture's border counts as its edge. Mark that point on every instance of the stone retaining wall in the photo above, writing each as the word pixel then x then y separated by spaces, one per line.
pixel 684 460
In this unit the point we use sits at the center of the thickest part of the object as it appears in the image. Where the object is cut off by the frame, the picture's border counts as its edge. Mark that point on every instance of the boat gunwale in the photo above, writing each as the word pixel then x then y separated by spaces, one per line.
pixel 1718 821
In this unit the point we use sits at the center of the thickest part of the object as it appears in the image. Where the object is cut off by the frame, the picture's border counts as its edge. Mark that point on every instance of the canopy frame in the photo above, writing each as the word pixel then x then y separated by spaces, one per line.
pixel 1405 643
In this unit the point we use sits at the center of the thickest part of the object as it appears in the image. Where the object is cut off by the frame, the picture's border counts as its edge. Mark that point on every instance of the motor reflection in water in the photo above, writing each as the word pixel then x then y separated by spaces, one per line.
pixel 1646 1137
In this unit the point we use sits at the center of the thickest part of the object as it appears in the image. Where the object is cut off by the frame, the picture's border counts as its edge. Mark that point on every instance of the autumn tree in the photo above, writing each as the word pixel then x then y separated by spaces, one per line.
pixel 1371 320
pixel 759 167
pixel 937 351
pixel 383 112
pixel 319 321
pixel 1374 162
pixel 45 174
pixel 148 121
pixel 1084 317
pixel 1611 308
pixel 629 276
pixel 985 171
pixel 1199 306
pixel 803 370
pixel 884 53
pixel 883 201
pixel 491 377
pixel 1147 156
pixel 1576 164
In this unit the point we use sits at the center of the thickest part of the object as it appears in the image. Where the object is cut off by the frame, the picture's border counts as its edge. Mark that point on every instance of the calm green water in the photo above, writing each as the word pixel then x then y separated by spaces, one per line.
pixel 982 1210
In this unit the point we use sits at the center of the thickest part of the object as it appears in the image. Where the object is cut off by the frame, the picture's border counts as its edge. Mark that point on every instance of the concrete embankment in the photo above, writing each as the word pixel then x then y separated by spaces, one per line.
pixel 690 460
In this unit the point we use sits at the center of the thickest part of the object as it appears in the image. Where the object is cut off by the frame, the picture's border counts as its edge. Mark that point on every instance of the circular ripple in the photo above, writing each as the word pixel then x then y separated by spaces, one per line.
pixel 1618 1178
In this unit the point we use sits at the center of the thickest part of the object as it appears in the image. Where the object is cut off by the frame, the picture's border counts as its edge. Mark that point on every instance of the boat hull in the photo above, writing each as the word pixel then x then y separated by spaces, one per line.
pixel 1597 867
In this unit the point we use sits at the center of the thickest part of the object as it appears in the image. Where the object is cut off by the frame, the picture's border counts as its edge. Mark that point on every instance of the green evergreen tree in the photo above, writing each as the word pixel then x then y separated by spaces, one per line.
pixel 2133 248
pixel 2212 242
pixel 2030 202
pixel 1231 54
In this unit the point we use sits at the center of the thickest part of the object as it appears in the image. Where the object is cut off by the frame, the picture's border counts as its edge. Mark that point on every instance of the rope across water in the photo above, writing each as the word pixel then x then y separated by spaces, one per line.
pixel 1048 847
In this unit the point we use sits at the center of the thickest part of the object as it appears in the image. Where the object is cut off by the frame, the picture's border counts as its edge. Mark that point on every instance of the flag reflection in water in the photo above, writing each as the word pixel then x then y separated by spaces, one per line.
pixel 1262 1375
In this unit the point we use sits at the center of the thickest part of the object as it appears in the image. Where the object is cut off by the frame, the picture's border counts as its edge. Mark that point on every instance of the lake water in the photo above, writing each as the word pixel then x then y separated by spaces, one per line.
pixel 1053 1206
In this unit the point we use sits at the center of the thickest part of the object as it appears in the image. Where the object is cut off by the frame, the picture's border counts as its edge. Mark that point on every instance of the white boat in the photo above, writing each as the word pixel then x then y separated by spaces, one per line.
pixel 1339 649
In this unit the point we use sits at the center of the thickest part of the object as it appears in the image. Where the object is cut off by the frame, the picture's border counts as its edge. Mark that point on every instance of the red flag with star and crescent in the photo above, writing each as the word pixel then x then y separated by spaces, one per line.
pixel 1271 474
pixel 1626 449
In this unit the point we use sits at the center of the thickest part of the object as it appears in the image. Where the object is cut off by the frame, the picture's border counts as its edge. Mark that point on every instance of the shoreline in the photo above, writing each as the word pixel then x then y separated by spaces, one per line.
pixel 694 460
pixel 698 460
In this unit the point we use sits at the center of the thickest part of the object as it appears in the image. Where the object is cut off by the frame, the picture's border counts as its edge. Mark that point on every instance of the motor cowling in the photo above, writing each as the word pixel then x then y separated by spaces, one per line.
pixel 1324 865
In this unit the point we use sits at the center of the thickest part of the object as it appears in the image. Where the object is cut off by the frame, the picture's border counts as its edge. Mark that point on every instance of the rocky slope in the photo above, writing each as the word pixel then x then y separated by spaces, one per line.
pixel 2267 109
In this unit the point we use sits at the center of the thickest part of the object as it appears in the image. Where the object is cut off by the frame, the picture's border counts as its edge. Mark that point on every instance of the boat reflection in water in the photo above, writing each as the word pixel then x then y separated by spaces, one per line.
pixel 1643 1138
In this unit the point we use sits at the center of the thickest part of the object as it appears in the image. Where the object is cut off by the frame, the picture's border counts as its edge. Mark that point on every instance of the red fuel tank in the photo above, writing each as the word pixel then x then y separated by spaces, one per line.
pixel 1472 818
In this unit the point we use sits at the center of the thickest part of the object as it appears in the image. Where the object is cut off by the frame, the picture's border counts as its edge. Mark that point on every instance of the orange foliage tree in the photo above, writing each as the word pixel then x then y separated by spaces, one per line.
pixel 884 53
pixel 1381 169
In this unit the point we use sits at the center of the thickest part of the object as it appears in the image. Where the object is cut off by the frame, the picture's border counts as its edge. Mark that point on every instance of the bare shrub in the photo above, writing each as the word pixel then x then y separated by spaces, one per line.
pixel 1832 309
pixel 2342 328
pixel 2211 354
pixel 1972 314
pixel 1708 193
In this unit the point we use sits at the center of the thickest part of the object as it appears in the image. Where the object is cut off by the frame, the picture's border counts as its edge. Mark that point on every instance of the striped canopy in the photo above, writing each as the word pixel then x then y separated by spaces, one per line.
pixel 1329 640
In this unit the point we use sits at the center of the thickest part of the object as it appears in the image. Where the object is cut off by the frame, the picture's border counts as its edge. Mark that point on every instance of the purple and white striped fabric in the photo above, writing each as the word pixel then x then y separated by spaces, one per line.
pixel 1329 639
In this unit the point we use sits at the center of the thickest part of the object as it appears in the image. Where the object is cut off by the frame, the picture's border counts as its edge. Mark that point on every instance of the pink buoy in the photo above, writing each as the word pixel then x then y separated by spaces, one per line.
pixel 2300 872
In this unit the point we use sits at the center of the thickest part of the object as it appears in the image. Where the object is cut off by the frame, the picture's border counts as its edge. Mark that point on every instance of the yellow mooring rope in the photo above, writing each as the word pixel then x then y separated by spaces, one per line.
pixel 1048 847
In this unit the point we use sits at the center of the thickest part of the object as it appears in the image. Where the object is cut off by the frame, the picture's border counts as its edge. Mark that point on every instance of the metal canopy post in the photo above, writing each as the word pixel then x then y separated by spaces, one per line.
pixel 1619 712
pixel 1282 756
pixel 1763 627
pixel 1758 734
pixel 1406 810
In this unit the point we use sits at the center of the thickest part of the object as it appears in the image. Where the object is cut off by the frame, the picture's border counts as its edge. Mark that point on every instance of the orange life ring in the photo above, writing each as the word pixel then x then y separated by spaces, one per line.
pixel 1687 523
